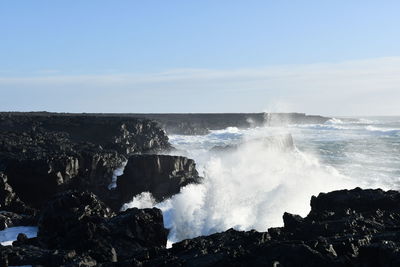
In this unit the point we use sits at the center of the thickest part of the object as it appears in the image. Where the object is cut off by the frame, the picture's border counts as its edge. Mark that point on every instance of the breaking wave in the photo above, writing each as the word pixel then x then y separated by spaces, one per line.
pixel 252 185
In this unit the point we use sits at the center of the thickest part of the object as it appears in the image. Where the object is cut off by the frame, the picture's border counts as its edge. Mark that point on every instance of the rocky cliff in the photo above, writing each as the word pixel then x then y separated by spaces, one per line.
pixel 56 172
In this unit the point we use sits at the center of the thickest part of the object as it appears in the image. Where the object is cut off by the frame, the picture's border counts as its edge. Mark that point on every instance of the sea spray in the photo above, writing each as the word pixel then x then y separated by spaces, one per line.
pixel 117 172
pixel 249 187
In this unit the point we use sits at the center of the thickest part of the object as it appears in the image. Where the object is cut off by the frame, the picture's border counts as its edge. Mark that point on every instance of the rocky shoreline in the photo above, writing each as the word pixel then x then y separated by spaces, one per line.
pixel 57 172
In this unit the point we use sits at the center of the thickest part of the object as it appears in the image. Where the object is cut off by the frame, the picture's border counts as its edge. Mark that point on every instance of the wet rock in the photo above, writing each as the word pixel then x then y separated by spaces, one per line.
pixel 161 175
pixel 344 228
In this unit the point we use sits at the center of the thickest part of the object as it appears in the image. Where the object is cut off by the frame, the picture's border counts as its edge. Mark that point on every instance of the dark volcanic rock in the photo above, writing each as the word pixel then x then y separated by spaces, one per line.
pixel 59 221
pixel 161 175
pixel 234 248
pixel 81 222
pixel 124 134
pixel 32 255
pixel 9 201
pixel 344 228
pixel 136 229
pixel 357 199
pixel 70 152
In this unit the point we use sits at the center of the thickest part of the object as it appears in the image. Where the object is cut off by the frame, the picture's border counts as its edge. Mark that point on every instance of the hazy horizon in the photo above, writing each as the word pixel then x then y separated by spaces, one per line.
pixel 330 59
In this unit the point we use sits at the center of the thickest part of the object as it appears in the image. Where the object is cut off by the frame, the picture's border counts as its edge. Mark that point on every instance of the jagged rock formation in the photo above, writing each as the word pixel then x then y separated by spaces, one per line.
pixel 80 221
pixel 70 152
pixel 55 172
pixel 344 228
pixel 123 134
pixel 77 226
pixel 161 175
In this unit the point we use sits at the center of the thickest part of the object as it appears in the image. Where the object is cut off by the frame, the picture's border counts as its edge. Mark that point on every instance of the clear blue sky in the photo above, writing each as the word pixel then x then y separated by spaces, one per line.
pixel 154 50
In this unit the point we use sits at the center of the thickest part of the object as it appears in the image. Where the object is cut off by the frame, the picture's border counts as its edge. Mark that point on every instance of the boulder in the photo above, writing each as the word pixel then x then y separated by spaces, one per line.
pixel 161 175
pixel 79 221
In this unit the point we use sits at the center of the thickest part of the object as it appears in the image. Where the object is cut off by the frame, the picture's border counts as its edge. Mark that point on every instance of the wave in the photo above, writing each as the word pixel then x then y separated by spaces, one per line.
pixel 385 131
pixel 248 188
pixel 251 186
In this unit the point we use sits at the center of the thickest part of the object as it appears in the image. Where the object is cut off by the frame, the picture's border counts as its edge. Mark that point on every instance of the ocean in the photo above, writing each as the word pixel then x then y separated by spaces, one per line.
pixel 251 186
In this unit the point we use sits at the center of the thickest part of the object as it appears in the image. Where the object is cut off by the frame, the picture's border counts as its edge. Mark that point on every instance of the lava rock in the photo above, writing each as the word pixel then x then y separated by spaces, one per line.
pixel 344 228
pixel 81 222
pixel 9 201
pixel 161 175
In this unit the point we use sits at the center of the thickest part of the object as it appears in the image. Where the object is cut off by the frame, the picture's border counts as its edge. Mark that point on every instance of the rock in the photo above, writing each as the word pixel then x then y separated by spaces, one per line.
pixel 36 256
pixel 161 175
pixel 123 134
pixel 60 218
pixel 135 229
pixel 344 228
pixel 49 173
pixel 56 163
pixel 81 222
pixel 10 219
pixel 66 152
pixel 235 248
pixel 357 199
pixel 9 201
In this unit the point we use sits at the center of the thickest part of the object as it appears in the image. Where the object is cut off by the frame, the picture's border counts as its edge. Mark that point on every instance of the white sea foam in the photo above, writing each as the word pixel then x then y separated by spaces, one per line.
pixel 251 187
pixel 382 130
pixel 143 201
pixel 117 172
pixel 248 189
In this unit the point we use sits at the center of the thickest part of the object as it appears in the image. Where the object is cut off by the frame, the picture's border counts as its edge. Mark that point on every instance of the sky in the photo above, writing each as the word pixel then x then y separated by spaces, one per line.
pixel 318 57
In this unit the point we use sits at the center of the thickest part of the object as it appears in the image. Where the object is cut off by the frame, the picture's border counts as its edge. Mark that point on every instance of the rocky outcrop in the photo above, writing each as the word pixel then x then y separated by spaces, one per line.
pixel 123 134
pixel 344 228
pixel 161 175
pixel 9 201
pixel 81 222
pixel 70 152
pixel 26 255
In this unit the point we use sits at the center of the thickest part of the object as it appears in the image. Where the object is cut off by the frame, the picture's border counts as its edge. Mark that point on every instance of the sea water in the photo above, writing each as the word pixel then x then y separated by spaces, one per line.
pixel 252 186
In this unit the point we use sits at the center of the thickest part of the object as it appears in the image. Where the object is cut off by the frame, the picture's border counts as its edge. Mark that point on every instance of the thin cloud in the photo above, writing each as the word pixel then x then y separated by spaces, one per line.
pixel 325 88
